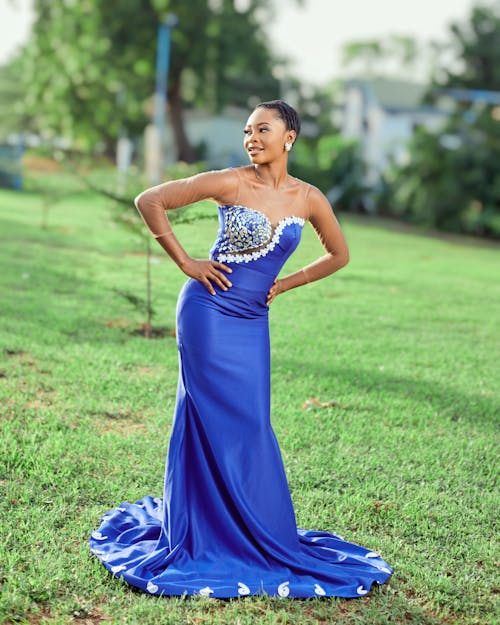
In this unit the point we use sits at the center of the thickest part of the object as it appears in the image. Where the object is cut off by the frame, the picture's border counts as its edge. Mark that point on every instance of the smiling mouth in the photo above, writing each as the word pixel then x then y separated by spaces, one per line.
pixel 254 150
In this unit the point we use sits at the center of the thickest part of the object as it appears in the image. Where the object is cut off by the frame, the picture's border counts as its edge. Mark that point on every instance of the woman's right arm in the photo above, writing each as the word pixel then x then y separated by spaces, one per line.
pixel 153 203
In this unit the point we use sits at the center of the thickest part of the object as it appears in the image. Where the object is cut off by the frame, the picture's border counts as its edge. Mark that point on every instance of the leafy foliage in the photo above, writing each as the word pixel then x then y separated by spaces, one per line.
pixel 11 94
pixel 452 180
pixel 334 164
pixel 476 47
pixel 367 56
pixel 89 68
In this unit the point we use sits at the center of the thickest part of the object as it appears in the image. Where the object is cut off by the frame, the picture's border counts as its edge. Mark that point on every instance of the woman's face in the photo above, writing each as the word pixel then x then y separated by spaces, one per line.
pixel 265 135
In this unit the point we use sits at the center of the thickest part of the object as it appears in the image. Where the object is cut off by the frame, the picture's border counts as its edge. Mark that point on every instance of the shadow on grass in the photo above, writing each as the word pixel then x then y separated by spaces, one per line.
pixel 454 405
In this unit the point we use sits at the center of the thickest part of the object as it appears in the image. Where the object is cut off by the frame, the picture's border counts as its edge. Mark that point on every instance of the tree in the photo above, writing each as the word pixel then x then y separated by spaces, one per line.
pixel 89 68
pixel 452 181
pixel 475 45
pixel 11 91
pixel 393 54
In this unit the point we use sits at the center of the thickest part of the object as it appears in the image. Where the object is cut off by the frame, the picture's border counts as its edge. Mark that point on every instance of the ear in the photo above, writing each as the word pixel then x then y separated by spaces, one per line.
pixel 291 135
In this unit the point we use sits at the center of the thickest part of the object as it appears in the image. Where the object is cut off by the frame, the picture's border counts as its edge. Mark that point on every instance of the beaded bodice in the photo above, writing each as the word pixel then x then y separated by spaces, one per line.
pixel 247 234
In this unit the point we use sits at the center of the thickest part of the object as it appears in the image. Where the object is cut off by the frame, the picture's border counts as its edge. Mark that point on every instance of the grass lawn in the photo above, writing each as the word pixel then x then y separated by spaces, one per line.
pixel 404 340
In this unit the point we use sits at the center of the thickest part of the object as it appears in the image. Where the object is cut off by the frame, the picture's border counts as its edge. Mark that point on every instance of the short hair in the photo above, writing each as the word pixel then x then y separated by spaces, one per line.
pixel 286 113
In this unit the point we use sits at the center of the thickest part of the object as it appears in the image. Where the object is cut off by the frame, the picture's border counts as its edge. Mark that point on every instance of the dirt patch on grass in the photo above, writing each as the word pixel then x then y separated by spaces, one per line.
pixel 123 324
pixel 145 372
pixel 120 422
pixel 14 352
pixel 152 332
pixel 45 617
pixel 91 618
pixel 22 358
pixel 143 329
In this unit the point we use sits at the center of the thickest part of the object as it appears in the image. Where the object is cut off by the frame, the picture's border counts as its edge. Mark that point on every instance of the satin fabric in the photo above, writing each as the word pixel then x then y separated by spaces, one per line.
pixel 225 526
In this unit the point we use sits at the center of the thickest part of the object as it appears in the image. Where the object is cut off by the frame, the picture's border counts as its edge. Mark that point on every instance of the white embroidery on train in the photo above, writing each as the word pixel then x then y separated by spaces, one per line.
pixel 243 589
pixel 283 589
pixel 319 590
pixel 152 588
pixel 98 536
pixel 246 258
pixel 206 592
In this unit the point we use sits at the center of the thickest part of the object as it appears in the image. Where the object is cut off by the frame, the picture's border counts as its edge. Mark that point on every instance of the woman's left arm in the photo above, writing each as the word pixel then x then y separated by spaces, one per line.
pixel 332 239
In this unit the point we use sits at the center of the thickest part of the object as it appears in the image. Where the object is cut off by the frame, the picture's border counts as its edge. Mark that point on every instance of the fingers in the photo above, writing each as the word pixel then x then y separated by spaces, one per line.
pixel 210 275
pixel 273 292
pixel 220 278
pixel 222 266
pixel 208 285
pixel 271 295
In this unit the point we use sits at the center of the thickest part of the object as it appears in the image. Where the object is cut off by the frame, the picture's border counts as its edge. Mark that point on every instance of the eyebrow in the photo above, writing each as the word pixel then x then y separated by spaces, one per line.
pixel 260 124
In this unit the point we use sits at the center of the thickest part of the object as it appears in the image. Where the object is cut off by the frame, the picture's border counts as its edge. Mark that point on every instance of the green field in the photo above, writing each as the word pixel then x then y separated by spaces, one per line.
pixel 404 340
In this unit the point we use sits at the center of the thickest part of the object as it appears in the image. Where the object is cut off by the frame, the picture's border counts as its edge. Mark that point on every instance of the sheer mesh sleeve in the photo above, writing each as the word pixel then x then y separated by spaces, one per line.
pixel 326 226
pixel 153 203
pixel 332 239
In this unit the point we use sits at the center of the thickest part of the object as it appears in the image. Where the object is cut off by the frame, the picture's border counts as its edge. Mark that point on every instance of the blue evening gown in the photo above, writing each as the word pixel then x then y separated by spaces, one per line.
pixel 225 526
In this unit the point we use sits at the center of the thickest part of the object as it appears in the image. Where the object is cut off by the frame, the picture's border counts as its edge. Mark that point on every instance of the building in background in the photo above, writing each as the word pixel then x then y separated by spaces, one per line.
pixel 219 137
pixel 382 115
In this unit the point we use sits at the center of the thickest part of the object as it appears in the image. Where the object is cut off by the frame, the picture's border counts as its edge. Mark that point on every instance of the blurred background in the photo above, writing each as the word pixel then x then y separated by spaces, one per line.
pixel 400 101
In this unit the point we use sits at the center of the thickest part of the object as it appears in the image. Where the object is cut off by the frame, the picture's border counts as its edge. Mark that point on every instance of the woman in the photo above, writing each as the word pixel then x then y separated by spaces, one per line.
pixel 226 526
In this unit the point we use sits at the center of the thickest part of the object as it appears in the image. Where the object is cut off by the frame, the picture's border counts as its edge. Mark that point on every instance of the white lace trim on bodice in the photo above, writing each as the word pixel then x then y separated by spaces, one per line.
pixel 249 256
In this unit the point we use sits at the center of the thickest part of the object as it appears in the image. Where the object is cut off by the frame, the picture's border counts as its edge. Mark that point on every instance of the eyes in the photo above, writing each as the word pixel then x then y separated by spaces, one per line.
pixel 247 131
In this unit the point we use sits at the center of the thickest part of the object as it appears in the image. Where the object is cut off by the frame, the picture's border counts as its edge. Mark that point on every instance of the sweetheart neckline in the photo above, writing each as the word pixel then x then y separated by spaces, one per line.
pixel 255 210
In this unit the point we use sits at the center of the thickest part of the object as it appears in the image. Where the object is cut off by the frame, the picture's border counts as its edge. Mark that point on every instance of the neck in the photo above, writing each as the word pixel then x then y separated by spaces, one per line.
pixel 273 174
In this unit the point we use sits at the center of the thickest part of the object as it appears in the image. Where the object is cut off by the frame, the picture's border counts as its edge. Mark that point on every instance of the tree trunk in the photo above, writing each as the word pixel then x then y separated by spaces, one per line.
pixel 185 151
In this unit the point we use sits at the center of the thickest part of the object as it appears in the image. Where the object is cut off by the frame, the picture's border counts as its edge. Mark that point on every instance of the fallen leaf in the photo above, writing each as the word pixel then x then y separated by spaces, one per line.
pixel 314 401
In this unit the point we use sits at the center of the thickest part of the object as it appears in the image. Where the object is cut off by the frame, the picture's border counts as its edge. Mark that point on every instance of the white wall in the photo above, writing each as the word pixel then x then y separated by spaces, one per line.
pixel 353 113
pixel 221 134
pixel 384 135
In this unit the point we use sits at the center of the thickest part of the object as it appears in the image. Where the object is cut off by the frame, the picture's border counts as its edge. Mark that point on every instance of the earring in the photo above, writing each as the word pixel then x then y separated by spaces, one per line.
pixel 288 146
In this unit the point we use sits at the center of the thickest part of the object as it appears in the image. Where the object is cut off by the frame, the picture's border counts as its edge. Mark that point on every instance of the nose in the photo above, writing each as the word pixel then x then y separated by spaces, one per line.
pixel 250 137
